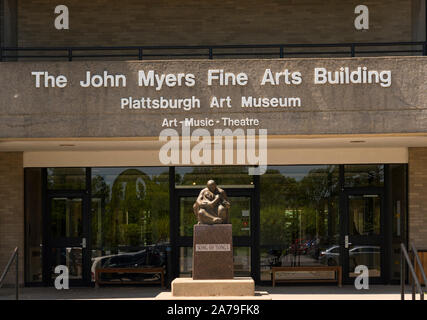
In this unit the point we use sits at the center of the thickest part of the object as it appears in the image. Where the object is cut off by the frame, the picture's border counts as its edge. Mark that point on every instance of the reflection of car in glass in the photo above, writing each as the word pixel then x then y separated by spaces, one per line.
pixel 330 256
pixel 150 256
pixel 358 255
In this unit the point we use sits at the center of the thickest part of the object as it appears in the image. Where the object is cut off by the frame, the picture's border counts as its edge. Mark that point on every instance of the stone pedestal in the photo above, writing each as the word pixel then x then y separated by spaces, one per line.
pixel 213 277
pixel 212 252
pixel 187 287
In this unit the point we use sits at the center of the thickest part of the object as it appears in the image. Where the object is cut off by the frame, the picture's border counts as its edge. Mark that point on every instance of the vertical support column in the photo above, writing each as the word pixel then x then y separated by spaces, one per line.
pixel 11 211
pixel 417 200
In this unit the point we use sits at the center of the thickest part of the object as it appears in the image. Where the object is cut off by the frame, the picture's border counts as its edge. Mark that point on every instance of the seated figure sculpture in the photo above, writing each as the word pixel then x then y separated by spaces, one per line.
pixel 211 206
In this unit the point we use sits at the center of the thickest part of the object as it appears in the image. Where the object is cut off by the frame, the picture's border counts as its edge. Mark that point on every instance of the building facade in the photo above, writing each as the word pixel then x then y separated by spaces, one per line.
pixel 109 129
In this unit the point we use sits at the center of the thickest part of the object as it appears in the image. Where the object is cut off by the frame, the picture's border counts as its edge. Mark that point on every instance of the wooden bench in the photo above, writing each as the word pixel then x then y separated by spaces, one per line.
pixel 159 270
pixel 337 269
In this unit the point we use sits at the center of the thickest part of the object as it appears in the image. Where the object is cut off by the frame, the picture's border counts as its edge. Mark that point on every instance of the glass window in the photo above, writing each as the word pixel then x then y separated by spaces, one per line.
pixel 70 257
pixel 364 175
pixel 185 262
pixel 369 256
pixel 335 250
pixel 365 215
pixel 242 261
pixel 299 216
pixel 240 215
pixel 66 178
pixel 224 176
pixel 187 218
pixel 66 217
pixel 130 216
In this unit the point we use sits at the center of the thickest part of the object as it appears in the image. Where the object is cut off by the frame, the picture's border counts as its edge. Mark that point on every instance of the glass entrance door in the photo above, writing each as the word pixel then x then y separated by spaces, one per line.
pixel 68 237
pixel 241 215
pixel 363 236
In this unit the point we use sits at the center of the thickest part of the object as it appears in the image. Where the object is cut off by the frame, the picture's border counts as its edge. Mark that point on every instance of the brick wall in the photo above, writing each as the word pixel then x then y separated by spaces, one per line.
pixel 194 22
pixel 418 197
pixel 11 210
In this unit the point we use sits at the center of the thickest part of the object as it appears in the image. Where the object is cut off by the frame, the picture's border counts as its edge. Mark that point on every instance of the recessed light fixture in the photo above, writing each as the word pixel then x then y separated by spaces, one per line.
pixel 67 145
pixel 357 141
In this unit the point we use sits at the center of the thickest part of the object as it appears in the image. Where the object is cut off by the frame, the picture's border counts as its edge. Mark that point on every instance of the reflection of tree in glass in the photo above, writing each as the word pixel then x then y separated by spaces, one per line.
pixel 299 215
pixel 66 178
pixel 364 175
pixel 187 217
pixel 136 211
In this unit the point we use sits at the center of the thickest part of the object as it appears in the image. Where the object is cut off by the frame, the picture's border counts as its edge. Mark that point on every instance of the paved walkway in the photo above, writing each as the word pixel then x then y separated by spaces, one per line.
pixel 146 293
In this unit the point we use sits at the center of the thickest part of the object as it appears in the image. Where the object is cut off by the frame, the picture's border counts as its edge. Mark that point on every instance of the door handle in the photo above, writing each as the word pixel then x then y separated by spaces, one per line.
pixel 83 244
pixel 346 243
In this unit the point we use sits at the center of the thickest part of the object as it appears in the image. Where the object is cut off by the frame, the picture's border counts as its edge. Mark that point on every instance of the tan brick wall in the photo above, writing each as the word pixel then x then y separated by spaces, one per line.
pixel 11 210
pixel 418 197
pixel 204 22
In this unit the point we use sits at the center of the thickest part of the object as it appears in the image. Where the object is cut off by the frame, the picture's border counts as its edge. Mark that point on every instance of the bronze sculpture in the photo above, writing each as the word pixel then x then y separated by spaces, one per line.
pixel 211 206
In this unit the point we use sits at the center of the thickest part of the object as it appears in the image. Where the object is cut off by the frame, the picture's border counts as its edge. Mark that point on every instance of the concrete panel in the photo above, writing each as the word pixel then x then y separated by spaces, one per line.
pixel 75 111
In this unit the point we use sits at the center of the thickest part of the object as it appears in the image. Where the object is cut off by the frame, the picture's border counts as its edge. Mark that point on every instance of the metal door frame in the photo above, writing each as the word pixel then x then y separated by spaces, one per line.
pixel 379 240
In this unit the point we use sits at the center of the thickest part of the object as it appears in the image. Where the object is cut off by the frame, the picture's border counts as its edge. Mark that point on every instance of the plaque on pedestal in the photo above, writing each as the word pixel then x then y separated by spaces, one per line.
pixel 212 252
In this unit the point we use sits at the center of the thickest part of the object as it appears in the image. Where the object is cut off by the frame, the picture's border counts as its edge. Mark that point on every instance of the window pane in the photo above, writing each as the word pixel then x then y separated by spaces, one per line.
pixel 66 178
pixel 364 175
pixel 70 257
pixel 240 215
pixel 185 262
pixel 187 218
pixel 130 207
pixel 299 215
pixel 130 216
pixel 66 217
pixel 369 256
pixel 242 261
pixel 364 215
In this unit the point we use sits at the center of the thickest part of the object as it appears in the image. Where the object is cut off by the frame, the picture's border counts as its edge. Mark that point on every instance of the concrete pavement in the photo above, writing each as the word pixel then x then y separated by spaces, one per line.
pixel 283 292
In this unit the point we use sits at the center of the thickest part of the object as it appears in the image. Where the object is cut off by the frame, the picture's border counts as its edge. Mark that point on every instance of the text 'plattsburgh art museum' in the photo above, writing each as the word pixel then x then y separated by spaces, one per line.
pixel 111 126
